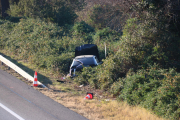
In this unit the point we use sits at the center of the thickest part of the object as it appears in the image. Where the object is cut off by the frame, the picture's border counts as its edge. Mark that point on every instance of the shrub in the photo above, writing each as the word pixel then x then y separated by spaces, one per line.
pixel 102 76
pixel 87 76
pixel 106 35
pixel 44 45
pixel 116 87
pixel 60 63
pixel 147 37
pixel 59 12
pixel 155 89
pixel 64 15
pixel 81 28
pixel 105 15
pixel 36 41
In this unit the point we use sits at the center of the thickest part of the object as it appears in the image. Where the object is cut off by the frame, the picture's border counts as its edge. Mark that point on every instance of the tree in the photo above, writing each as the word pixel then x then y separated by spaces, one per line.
pixel 13 1
pixel 4 7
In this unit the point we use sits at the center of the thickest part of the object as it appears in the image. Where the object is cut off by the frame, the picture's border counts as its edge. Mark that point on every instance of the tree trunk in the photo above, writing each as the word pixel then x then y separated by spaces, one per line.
pixel 4 7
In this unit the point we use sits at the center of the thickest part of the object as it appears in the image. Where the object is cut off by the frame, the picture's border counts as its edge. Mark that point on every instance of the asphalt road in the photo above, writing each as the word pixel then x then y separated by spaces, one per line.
pixel 19 101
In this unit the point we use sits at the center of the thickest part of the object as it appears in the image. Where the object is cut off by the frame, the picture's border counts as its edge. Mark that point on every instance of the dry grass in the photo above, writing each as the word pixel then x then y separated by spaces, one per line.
pixel 103 109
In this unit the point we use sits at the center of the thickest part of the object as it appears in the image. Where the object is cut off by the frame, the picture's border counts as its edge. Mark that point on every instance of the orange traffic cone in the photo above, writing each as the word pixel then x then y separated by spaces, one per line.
pixel 89 96
pixel 35 80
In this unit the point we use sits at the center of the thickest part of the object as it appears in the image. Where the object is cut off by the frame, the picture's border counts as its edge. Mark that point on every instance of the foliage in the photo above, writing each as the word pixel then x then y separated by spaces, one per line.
pixel 64 15
pixel 155 89
pixel 142 63
pixel 36 41
pixel 147 39
pixel 60 12
pixel 102 76
pixel 106 35
pixel 82 29
pixel 87 76
pixel 102 16
pixel 116 87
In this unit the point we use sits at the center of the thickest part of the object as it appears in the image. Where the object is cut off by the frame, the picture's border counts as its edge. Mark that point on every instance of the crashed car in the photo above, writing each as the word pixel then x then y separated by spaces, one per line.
pixel 85 55
pixel 83 61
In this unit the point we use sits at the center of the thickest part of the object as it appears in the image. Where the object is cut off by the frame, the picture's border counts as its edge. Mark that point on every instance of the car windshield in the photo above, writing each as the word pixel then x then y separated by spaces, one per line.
pixel 85 61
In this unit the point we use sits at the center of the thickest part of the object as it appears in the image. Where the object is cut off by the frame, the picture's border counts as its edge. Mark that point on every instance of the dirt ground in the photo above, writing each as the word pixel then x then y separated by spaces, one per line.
pixel 102 107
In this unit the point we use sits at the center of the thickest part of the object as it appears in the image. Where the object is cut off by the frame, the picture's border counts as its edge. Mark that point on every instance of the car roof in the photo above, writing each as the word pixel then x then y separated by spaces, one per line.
pixel 84 56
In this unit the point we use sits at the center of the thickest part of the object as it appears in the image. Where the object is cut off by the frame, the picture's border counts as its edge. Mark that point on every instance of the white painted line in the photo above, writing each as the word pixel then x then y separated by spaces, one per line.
pixel 10 111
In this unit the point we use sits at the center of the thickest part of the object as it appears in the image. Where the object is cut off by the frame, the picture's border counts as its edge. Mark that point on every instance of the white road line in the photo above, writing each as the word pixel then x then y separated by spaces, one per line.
pixel 27 100
pixel 10 111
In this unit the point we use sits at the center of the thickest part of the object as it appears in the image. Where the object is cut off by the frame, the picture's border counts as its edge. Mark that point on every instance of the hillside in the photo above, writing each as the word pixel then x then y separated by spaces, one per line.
pixel 142 40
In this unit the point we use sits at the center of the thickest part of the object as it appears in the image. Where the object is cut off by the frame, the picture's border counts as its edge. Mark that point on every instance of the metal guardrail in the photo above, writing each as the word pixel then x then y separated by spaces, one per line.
pixel 18 70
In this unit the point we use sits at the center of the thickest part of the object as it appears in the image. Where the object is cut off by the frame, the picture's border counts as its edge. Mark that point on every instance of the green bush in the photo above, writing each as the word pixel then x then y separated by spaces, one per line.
pixel 45 45
pixel 87 76
pixel 155 89
pixel 106 35
pixel 30 36
pixel 59 12
pixel 81 28
pixel 147 38
pixel 116 87
pixel 102 76
pixel 36 41
pixel 64 15
pixel 60 63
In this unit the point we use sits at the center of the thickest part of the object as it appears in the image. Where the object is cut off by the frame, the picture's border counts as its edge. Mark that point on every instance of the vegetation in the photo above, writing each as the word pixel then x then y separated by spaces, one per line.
pixel 142 66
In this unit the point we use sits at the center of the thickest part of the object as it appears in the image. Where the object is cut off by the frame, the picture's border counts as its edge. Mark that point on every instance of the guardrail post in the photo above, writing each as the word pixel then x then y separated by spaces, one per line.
pixel 1 63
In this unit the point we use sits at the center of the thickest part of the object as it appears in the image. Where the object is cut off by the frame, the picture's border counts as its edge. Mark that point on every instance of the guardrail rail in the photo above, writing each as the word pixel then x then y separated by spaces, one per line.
pixel 18 70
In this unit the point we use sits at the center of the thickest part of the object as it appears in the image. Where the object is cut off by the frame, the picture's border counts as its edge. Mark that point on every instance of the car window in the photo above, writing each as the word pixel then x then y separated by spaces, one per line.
pixel 85 61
